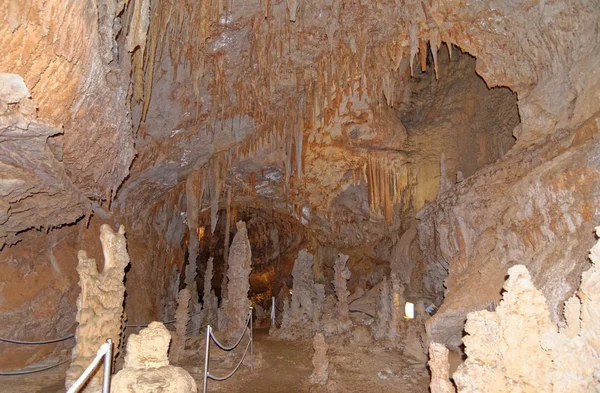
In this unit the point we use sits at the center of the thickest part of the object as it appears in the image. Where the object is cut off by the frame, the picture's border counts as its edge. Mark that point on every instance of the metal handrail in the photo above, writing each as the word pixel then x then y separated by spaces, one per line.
pixel 210 335
pixel 105 352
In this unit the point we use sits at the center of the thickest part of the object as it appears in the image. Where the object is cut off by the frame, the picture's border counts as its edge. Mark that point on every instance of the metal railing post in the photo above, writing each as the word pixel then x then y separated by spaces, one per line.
pixel 208 329
pixel 273 311
pixel 107 367
pixel 251 344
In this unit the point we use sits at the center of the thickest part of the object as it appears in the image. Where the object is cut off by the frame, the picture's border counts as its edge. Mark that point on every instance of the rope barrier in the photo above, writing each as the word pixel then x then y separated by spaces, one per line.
pixel 70 336
pixel 226 348
pixel 8 340
pixel 209 375
pixel 37 370
pixel 210 335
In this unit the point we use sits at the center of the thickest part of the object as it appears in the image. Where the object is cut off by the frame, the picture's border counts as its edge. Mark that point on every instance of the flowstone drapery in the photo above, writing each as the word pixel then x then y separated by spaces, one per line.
pixel 147 369
pixel 100 305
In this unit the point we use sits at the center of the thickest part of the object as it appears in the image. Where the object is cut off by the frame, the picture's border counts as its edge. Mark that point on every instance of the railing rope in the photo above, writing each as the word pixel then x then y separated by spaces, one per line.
pixel 105 352
pixel 210 336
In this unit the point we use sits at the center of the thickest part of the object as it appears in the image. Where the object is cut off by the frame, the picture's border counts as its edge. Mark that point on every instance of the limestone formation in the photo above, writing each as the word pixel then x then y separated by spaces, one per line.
pixel 341 276
pixel 147 369
pixel 382 325
pixel 100 305
pixel 191 269
pixel 182 318
pixel 239 267
pixel 438 364
pixel 210 302
pixel 320 362
pixel 518 348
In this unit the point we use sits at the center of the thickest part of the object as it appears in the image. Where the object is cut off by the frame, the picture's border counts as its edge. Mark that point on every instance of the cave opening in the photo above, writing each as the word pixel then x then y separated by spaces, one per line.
pixel 368 196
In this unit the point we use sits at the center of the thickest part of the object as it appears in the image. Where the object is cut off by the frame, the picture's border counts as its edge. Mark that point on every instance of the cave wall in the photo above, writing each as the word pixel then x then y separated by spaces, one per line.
pixel 534 206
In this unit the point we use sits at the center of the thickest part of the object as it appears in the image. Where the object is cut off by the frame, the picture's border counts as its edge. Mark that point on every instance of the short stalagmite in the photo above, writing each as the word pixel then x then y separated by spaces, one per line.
pixel 147 369
pixel 320 362
pixel 100 305
pixel 438 364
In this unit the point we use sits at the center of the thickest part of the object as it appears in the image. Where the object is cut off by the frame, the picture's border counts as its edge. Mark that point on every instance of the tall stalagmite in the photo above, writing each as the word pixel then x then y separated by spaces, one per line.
pixel 341 276
pixel 210 302
pixel 240 265
pixel 191 269
pixel 182 317
pixel 100 304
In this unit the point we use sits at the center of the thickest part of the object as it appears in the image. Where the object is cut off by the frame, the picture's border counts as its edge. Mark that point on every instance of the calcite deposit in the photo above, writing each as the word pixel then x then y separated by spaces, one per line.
pixel 320 362
pixel 147 369
pixel 239 267
pixel 518 348
pixel 100 305
pixel 182 317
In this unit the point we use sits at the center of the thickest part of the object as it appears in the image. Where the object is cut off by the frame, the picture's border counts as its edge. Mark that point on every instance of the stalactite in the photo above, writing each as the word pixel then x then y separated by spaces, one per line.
pixel 413 36
pixel 435 41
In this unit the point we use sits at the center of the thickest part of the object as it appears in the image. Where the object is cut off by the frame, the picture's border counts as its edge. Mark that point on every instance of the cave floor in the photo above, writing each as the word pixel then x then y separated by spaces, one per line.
pixel 280 366
pixel 285 366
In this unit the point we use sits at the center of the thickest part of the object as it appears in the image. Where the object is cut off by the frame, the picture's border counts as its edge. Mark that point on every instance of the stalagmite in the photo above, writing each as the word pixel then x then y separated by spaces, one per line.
pixel 240 265
pixel 210 301
pixel 182 318
pixel 320 362
pixel 397 307
pixel 384 312
pixel 438 364
pixel 301 315
pixel 341 276
pixel 226 245
pixel 147 368
pixel 99 305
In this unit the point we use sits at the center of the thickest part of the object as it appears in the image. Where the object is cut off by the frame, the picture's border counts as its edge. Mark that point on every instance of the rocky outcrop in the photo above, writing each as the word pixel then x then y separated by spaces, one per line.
pixel 534 206
pixel 147 368
pixel 100 305
pixel 35 190
pixel 518 348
